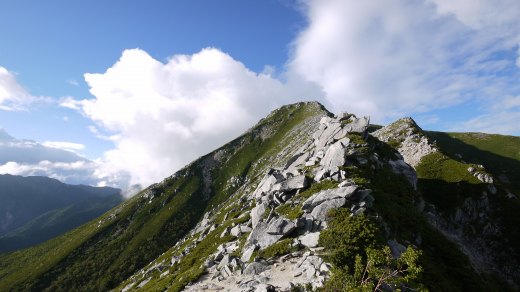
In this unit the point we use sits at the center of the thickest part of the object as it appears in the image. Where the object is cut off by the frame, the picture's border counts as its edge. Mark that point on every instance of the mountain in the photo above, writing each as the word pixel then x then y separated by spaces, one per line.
pixel 303 200
pixel 35 209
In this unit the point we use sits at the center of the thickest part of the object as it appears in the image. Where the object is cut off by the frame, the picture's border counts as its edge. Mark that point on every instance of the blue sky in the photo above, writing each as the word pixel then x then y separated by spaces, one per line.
pixel 126 83
pixel 50 45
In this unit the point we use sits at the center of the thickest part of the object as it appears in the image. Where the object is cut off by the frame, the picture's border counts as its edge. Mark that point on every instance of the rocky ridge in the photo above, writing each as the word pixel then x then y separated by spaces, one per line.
pixel 233 266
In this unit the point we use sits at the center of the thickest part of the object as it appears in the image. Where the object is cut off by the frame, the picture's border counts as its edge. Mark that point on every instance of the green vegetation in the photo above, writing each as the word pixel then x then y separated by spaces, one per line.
pixel 361 262
pixel 317 187
pixel 500 154
pixel 348 236
pixel 441 167
pixel 290 211
pixel 280 248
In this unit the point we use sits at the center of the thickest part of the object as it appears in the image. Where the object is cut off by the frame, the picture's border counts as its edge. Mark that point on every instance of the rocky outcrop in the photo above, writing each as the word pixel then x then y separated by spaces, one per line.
pixel 407 137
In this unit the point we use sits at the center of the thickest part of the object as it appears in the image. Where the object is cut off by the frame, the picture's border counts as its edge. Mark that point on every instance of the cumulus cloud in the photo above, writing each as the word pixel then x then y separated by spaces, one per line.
pixel 391 58
pixel 380 58
pixel 12 95
pixel 161 116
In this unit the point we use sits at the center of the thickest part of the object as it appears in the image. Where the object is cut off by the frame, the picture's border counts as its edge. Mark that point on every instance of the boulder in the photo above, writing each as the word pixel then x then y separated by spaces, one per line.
pixel 334 157
pixel 272 177
pixel 358 125
pixel 281 226
pixel 257 212
pixel 322 196
pixel 310 239
pixel 260 236
pixel 327 135
pixel 235 231
pixel 224 262
pixel 320 212
pixel 248 252
pixel 320 174
pixel 293 183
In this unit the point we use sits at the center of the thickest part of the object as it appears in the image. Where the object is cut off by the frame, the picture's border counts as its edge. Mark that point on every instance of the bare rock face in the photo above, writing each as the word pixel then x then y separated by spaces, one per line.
pixel 408 138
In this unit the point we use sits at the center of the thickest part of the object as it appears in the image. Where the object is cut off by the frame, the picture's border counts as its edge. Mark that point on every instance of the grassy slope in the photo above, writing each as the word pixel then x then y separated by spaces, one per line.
pixel 93 258
pixel 500 154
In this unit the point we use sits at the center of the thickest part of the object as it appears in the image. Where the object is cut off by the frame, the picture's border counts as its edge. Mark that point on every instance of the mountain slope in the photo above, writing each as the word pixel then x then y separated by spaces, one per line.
pixel 34 209
pixel 303 199
pixel 103 253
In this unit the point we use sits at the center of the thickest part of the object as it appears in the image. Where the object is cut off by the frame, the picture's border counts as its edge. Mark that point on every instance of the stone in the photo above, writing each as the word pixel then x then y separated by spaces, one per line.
pixel 267 183
pixel 257 212
pixel 224 261
pixel 235 231
pixel 320 174
pixel 219 255
pixel 245 228
pixel 128 287
pixel 255 268
pixel 225 232
pixel 209 263
pixel 231 247
pixel 260 236
pixel 297 160
pixel 293 183
pixel 324 268
pixel 309 222
pixel 248 252
pixel 334 157
pixel 281 226
pixel 326 136
pixel 325 120
pixel 310 239
pixel 322 196
pixel 346 183
pixel 320 212
pixel 141 285
pixel 358 125
pixel 396 248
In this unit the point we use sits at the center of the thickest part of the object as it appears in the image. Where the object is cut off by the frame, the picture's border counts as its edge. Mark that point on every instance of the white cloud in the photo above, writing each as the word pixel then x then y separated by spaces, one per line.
pixel 12 95
pixel 392 58
pixel 78 172
pixel 380 58
pixel 163 116
pixel 64 145
pixel 73 82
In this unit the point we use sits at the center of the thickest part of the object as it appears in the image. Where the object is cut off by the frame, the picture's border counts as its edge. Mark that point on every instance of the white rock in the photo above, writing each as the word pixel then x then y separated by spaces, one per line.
pixel 310 239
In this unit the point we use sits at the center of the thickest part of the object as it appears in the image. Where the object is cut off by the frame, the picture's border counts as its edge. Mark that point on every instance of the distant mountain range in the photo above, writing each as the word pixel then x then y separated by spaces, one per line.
pixel 35 209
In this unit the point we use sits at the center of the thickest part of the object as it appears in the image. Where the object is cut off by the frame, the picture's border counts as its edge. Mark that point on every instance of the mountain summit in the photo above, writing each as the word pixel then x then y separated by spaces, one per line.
pixel 304 200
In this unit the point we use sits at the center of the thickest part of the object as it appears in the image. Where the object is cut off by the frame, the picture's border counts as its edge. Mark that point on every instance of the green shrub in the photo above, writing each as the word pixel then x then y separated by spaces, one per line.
pixel 348 236
pixel 280 248
pixel 290 211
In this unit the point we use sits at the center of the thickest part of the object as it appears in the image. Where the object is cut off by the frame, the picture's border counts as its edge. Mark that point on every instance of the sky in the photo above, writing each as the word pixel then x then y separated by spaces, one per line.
pixel 137 89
